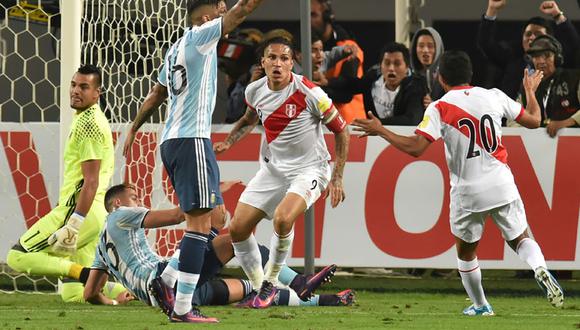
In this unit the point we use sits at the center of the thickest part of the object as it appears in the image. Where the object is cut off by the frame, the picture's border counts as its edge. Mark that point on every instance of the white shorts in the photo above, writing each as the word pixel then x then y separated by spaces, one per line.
pixel 267 189
pixel 509 218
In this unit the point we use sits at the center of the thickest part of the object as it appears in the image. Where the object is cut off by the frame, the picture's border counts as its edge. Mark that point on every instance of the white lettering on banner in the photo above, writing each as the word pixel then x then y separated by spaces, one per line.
pixel 396 210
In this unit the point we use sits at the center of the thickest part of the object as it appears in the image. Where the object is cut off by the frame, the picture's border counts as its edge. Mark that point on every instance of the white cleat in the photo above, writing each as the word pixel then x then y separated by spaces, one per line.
pixel 548 283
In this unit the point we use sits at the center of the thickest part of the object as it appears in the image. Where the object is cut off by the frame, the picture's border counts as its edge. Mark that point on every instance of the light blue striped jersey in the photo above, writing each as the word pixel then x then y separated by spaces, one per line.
pixel 190 75
pixel 124 252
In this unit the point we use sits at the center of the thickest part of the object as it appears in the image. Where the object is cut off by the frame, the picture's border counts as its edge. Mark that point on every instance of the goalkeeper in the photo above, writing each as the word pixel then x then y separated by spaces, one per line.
pixel 65 239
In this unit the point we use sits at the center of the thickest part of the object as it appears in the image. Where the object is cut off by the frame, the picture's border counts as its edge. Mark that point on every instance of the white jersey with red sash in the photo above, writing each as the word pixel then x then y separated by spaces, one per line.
pixel 292 119
pixel 468 119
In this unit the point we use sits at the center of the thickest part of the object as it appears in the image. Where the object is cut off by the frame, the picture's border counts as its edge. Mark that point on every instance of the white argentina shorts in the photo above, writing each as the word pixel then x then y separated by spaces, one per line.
pixel 509 218
pixel 267 189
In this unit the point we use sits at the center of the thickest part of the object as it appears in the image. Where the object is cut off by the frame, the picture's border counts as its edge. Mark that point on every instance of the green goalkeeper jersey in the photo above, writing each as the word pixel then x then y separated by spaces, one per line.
pixel 90 138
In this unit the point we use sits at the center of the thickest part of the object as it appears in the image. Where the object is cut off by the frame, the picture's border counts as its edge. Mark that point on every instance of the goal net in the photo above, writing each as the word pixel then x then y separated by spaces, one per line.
pixel 127 40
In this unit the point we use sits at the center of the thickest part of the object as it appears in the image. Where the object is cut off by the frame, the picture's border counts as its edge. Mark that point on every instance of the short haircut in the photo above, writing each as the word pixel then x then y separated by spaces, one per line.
pixel 455 68
pixel 192 5
pixel 394 47
pixel 537 20
pixel 278 40
pixel 315 36
pixel 91 69
pixel 113 192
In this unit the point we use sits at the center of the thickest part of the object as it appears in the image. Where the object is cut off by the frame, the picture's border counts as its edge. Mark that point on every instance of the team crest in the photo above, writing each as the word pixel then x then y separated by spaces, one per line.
pixel 290 110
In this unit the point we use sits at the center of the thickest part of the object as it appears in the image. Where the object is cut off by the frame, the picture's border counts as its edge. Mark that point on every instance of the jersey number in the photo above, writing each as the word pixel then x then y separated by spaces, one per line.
pixel 113 255
pixel 177 87
pixel 489 146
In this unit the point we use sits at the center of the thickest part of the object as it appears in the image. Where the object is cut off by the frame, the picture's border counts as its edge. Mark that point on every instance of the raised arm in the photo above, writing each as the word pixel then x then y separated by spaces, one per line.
pixel 413 145
pixel 156 96
pixel 241 128
pixel 531 117
pixel 238 13
pixel 495 51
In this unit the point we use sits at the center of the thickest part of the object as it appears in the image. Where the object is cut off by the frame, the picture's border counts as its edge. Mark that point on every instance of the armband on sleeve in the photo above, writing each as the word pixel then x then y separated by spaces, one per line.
pixel 333 120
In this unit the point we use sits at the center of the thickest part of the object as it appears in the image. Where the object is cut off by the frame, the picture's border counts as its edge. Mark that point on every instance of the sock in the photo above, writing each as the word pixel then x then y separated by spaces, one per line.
pixel 471 279
pixel 249 258
pixel 279 248
pixel 247 287
pixel 191 260
pixel 213 233
pixel 170 273
pixel 75 271
pixel 287 274
pixel 38 263
pixel 211 265
pixel 529 251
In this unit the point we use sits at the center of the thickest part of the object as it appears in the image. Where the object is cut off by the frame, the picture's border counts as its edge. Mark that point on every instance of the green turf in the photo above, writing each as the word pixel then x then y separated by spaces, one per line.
pixel 389 303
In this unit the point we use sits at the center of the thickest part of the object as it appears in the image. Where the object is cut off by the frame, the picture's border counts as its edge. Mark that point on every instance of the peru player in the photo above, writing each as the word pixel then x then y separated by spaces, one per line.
pixel 294 169
pixel 468 119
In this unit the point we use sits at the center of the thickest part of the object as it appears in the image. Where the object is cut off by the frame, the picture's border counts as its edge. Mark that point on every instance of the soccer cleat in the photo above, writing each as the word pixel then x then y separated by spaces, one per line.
pixel 265 296
pixel 193 316
pixel 551 288
pixel 484 310
pixel 345 298
pixel 163 295
pixel 313 282
pixel 247 301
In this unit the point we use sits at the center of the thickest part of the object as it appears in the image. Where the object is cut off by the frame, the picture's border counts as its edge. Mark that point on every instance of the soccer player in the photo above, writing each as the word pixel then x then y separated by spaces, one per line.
pixel 468 119
pixel 294 169
pixel 188 77
pixel 124 251
pixel 64 240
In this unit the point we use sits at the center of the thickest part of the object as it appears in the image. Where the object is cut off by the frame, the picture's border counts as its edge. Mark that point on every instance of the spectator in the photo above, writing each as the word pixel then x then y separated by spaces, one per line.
pixel 322 19
pixel 559 91
pixel 426 49
pixel 510 57
pixel 236 55
pixel 392 95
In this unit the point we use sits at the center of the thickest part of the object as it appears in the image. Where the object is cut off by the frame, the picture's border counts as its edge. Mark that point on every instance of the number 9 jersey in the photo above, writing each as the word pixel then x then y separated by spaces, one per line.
pixel 468 119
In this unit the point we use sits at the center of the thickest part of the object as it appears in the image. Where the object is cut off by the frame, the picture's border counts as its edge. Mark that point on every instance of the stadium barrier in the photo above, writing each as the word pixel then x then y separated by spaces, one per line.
pixel 395 214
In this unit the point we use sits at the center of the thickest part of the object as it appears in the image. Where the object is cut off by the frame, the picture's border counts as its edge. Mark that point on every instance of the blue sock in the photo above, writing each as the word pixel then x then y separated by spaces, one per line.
pixel 211 265
pixel 191 260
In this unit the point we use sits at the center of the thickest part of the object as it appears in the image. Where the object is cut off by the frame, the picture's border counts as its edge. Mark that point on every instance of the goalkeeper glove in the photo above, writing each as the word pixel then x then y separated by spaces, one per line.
pixel 64 240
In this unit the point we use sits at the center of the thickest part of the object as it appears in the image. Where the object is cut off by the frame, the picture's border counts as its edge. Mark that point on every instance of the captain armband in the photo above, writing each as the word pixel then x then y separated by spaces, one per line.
pixel 333 120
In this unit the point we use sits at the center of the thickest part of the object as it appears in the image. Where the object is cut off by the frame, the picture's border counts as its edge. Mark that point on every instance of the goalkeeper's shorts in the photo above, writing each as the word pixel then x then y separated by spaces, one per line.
pixel 35 239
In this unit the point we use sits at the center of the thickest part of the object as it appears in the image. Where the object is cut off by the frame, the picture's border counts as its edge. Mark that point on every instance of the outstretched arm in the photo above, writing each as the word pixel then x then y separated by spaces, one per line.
pixel 238 14
pixel 413 145
pixel 241 128
pixel 163 218
pixel 156 96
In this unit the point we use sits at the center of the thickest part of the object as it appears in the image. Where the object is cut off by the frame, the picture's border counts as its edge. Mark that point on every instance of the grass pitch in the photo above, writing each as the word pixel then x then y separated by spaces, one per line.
pixel 382 303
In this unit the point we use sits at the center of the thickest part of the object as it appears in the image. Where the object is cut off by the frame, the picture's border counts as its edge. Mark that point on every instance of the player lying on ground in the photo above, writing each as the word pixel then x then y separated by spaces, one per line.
pixel 124 252
pixel 468 119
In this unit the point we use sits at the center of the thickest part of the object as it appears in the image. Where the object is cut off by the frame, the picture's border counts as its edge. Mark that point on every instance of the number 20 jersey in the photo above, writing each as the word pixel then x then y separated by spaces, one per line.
pixel 468 119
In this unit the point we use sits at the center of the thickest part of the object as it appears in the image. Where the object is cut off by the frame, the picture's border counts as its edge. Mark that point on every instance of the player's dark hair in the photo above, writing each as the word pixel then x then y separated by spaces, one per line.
pixel 113 192
pixel 91 69
pixel 537 20
pixel 394 47
pixel 278 40
pixel 192 5
pixel 455 68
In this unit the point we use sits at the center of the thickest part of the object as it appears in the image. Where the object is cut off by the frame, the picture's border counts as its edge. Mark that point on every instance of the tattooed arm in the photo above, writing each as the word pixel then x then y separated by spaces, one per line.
pixel 238 14
pixel 241 128
pixel 335 188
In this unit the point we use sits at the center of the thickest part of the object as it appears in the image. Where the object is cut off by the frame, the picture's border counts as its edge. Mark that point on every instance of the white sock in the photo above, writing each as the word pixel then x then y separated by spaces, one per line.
pixel 249 257
pixel 529 251
pixel 471 279
pixel 183 299
pixel 171 271
pixel 279 249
